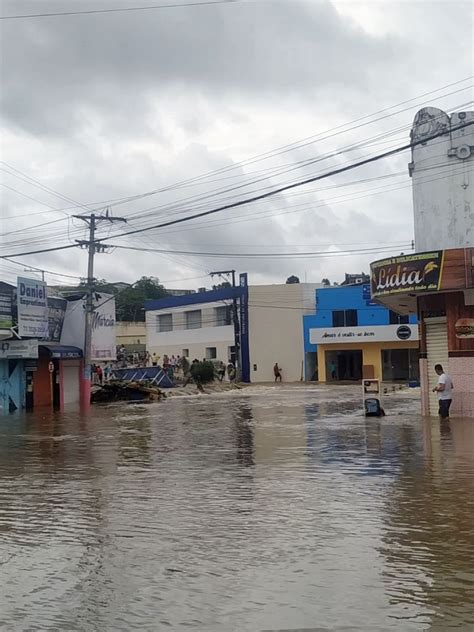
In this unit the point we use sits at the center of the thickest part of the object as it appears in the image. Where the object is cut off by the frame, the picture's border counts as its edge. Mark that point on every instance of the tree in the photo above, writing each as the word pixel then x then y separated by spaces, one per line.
pixel 292 279
pixel 222 285
pixel 130 303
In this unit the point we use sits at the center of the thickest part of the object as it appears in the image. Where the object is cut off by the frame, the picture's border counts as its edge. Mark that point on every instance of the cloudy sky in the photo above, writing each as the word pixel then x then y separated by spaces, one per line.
pixel 206 105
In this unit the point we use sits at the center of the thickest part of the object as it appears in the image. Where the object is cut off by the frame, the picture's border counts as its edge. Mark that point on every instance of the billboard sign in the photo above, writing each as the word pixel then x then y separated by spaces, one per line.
pixel 56 311
pixel 32 308
pixel 411 273
pixel 6 295
pixel 103 328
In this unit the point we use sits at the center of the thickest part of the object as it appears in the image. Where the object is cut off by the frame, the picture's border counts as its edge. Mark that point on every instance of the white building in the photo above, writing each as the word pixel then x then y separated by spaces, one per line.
pixel 201 326
pixel 441 171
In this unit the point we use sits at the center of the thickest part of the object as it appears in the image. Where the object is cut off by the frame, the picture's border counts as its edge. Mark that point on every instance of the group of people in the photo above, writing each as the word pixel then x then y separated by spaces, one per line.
pixel 100 374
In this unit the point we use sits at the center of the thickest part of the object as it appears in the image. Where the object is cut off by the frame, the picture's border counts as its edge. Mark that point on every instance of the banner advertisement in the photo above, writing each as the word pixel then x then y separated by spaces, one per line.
pixel 6 294
pixel 32 308
pixel 410 273
pixel 103 328
pixel 56 312
pixel 464 328
pixel 371 333
pixel 12 349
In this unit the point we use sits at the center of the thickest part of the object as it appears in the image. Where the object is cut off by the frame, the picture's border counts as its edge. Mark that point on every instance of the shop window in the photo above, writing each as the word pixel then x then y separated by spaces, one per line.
pixel 344 318
pixel 194 319
pixel 397 319
pixel 211 353
pixel 164 322
pixel 400 365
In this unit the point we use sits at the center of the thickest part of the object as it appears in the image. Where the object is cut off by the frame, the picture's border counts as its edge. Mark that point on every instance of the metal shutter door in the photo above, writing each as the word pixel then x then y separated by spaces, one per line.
pixel 71 384
pixel 437 353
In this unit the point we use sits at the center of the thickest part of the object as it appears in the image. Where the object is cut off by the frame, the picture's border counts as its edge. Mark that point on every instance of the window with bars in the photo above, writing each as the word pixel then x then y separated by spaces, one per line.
pixel 194 319
pixel 164 322
pixel 223 315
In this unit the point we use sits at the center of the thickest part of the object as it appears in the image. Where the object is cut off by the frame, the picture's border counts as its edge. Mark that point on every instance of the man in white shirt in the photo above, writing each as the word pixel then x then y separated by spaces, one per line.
pixel 444 388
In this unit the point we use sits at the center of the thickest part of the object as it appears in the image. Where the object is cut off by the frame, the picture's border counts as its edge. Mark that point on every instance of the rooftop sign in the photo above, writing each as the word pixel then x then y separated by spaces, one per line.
pixel 422 272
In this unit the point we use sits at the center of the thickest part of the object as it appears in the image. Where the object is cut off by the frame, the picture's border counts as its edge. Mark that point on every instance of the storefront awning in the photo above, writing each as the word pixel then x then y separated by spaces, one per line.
pixel 62 352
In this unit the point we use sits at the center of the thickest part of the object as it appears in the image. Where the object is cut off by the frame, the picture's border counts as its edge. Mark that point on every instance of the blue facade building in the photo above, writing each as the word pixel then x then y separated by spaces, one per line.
pixel 350 337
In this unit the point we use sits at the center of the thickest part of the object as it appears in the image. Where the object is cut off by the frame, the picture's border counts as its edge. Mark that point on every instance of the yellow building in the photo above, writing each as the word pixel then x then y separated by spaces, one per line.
pixel 390 360
pixel 131 335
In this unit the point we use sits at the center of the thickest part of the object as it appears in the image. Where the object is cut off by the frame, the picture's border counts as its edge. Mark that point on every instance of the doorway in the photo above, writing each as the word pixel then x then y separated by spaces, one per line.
pixel 343 365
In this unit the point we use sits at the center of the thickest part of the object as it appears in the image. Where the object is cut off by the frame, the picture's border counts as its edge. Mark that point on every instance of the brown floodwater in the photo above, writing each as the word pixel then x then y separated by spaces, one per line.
pixel 248 511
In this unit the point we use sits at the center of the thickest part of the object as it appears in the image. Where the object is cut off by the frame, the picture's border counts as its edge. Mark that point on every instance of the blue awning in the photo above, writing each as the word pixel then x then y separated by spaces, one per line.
pixel 62 352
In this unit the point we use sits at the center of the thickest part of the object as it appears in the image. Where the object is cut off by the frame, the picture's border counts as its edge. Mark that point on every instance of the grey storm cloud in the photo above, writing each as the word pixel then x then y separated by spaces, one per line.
pixel 107 106
pixel 56 68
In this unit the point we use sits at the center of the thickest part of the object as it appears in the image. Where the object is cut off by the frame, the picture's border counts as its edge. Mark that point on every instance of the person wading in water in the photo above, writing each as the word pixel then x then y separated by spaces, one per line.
pixel 277 372
pixel 444 388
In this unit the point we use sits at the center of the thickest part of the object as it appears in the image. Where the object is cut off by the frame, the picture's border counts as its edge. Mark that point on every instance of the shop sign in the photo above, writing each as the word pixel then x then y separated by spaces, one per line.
pixel 6 321
pixel 361 335
pixel 14 349
pixel 464 328
pixel 56 311
pixel 103 328
pixel 411 273
pixel 32 308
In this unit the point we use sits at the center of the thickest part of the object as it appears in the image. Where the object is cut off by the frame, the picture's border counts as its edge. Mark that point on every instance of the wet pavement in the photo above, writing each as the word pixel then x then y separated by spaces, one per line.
pixel 255 510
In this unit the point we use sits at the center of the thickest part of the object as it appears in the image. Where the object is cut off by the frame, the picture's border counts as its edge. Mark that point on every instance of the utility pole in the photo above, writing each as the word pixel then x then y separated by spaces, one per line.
pixel 92 246
pixel 235 318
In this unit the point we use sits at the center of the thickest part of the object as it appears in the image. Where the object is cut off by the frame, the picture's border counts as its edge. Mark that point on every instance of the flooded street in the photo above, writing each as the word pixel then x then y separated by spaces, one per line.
pixel 255 510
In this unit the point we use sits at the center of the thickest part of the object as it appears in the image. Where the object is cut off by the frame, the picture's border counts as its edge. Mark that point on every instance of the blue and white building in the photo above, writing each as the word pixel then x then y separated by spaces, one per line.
pixel 200 325
pixel 350 337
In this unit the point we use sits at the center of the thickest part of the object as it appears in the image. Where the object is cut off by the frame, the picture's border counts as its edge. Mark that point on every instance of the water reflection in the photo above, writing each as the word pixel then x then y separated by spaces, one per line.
pixel 429 543
pixel 262 510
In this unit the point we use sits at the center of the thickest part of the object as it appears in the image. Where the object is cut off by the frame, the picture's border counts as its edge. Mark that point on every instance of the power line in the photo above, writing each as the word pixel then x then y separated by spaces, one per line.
pixel 119 10
pixel 37 252
pixel 267 255
pixel 293 185
pixel 58 274
pixel 281 170
pixel 325 135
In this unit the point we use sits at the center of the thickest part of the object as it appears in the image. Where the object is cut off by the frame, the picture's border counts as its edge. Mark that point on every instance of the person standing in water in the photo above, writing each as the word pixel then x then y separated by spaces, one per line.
pixel 444 388
pixel 277 372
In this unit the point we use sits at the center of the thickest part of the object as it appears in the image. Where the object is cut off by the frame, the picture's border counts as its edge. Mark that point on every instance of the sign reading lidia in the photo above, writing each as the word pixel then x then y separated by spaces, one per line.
pixel 411 273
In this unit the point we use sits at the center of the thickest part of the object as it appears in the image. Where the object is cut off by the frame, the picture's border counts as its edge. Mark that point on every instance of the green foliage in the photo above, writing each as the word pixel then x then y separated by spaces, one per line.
pixel 130 303
pixel 292 279
pixel 202 372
